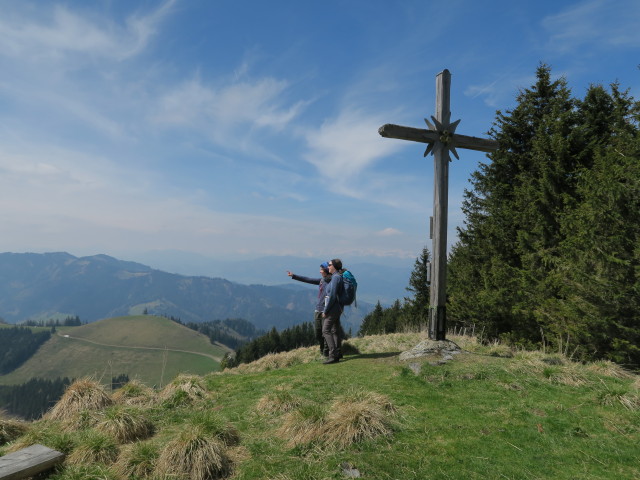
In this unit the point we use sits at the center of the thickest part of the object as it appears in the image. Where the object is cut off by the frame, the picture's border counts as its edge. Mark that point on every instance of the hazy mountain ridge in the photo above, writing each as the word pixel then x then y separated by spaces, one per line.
pixel 50 285
pixel 381 279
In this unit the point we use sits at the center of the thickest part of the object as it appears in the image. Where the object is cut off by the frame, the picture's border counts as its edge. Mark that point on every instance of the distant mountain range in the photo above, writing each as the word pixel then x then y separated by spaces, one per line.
pixel 57 285
pixel 381 279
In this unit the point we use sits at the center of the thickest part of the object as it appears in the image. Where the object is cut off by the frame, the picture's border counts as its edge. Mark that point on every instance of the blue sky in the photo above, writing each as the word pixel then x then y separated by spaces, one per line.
pixel 249 128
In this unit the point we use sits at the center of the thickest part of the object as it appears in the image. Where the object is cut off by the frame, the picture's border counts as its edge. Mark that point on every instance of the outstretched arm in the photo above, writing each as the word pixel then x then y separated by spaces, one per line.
pixel 300 278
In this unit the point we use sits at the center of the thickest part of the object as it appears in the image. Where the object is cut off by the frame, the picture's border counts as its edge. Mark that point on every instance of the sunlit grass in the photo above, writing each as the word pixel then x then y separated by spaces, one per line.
pixel 487 412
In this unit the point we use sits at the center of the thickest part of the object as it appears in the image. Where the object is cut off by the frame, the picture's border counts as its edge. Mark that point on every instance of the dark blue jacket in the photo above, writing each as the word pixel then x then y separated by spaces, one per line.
pixel 321 282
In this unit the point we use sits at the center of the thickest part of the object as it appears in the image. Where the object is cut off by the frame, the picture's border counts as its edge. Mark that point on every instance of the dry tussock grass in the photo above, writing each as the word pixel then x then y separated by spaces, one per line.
pixel 304 425
pixel 125 424
pixel 11 429
pixel 93 447
pixel 359 416
pixel 194 455
pixel 137 460
pixel 275 361
pixel 277 402
pixel 391 342
pixel 133 393
pixel 610 369
pixel 82 395
pixel 184 389
pixel 354 417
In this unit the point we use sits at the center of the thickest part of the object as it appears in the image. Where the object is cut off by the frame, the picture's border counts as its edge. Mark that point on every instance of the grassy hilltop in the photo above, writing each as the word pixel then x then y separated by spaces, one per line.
pixel 489 413
pixel 151 349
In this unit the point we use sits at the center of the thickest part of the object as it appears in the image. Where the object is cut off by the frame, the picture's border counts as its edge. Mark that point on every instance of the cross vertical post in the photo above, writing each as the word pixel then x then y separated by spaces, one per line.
pixel 441 139
pixel 438 290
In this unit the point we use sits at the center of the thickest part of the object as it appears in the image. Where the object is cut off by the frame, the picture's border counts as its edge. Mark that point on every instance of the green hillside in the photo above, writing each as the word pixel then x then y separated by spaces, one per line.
pixel 485 413
pixel 151 349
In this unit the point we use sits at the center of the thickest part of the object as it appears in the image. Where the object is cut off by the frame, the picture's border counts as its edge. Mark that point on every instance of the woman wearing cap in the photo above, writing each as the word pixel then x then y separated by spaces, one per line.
pixel 317 316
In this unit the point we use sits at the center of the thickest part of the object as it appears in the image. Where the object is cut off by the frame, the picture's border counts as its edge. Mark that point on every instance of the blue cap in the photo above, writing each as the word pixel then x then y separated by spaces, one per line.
pixel 325 266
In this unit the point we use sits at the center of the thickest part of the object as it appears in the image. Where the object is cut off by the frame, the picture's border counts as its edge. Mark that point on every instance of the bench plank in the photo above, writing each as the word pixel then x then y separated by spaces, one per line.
pixel 28 462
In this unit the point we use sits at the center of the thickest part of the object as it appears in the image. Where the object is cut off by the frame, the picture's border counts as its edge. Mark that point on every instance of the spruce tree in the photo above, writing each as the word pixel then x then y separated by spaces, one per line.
pixel 416 308
pixel 499 269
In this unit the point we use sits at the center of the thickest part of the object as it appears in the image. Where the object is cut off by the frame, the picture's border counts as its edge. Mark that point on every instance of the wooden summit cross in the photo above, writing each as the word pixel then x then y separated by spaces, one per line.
pixel 442 139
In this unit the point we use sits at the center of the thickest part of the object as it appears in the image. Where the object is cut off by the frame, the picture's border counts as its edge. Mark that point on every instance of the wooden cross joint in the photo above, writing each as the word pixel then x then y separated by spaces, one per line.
pixel 445 136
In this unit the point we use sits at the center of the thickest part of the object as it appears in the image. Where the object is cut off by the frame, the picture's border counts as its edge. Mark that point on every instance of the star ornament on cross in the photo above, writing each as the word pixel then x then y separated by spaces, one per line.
pixel 445 132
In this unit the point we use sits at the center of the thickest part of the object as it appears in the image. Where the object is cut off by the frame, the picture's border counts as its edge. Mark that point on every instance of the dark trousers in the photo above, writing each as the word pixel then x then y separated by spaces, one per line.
pixel 317 320
pixel 331 333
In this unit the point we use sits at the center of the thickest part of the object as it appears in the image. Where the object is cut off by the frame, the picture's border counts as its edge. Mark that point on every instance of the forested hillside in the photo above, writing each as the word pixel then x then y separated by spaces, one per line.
pixel 17 345
pixel 550 250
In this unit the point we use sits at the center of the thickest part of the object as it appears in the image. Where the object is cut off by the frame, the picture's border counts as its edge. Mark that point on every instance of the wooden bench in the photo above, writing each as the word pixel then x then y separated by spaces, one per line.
pixel 28 462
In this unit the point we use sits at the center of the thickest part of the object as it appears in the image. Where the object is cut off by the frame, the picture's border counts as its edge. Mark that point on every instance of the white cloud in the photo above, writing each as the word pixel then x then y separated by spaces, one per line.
pixel 345 146
pixel 58 32
pixel 594 23
pixel 388 232
pixel 225 113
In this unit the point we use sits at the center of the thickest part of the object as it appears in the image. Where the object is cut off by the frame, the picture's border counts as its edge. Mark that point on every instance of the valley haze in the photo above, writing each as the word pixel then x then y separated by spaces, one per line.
pixel 40 287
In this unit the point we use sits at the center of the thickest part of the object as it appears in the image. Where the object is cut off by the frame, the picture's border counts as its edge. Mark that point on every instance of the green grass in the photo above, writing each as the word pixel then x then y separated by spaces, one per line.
pixel 479 416
pixel 151 349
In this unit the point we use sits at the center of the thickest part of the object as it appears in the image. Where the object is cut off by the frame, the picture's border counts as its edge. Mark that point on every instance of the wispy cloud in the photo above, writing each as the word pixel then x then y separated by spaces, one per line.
pixel 594 23
pixel 342 147
pixel 501 90
pixel 226 112
pixel 57 32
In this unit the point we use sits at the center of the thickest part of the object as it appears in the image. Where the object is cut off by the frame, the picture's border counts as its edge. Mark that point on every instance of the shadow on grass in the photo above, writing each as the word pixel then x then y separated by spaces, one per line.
pixel 373 355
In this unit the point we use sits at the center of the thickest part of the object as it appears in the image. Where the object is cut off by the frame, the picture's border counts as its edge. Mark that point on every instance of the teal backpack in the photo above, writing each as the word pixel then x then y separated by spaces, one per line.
pixel 349 287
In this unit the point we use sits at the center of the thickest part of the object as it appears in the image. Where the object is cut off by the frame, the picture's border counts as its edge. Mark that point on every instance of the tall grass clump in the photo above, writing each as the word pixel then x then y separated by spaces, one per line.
pixel 183 390
pixel 47 433
pixel 93 447
pixel 199 451
pixel 137 460
pixel 133 393
pixel 280 401
pixel 125 424
pixel 359 416
pixel 11 429
pixel 81 395
pixel 304 425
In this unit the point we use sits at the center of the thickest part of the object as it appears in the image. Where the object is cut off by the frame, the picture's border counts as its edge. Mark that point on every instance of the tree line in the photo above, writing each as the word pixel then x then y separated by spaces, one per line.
pixel 17 345
pixel 70 321
pixel 550 249
pixel 302 335
pixel 231 332
pixel 410 315
pixel 33 398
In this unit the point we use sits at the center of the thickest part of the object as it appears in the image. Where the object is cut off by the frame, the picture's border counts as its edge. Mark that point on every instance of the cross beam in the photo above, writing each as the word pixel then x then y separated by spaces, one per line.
pixel 441 139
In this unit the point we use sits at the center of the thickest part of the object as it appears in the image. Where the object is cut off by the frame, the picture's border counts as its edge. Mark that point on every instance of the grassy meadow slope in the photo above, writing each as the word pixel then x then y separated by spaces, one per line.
pixel 151 349
pixel 488 413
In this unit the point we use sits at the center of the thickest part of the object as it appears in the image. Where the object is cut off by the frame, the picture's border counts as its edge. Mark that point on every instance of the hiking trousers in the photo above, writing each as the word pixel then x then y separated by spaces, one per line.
pixel 317 320
pixel 331 334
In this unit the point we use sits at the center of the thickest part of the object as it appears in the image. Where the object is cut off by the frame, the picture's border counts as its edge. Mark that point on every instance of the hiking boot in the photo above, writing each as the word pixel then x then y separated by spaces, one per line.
pixel 330 360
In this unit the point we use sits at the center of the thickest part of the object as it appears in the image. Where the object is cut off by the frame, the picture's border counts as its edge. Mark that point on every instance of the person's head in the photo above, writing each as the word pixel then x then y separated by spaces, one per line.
pixel 335 265
pixel 324 269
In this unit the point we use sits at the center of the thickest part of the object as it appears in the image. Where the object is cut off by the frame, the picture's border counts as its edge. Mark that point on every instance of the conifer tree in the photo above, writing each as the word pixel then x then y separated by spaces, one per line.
pixel 416 309
pixel 499 268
